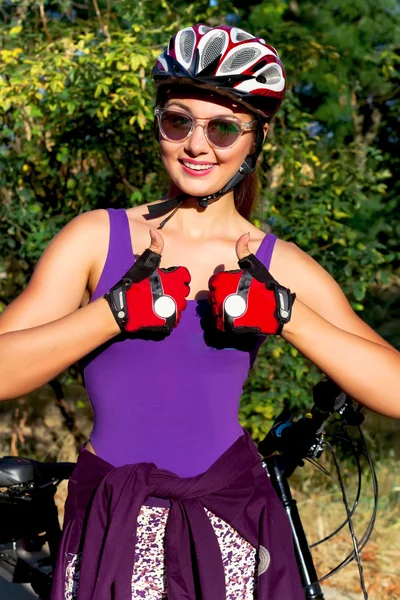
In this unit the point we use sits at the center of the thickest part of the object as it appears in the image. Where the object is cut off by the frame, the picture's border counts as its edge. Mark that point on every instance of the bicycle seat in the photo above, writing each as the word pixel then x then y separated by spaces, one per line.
pixel 15 470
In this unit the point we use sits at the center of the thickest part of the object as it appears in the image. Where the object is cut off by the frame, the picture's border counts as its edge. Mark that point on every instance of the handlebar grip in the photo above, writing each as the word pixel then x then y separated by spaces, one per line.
pixel 328 397
pixel 291 438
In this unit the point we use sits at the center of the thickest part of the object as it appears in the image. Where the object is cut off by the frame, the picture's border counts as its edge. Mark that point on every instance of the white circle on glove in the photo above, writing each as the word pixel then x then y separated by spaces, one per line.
pixel 165 307
pixel 235 305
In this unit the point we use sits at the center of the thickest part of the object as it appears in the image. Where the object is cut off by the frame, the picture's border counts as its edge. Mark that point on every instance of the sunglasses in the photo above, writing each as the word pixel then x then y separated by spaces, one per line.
pixel 221 132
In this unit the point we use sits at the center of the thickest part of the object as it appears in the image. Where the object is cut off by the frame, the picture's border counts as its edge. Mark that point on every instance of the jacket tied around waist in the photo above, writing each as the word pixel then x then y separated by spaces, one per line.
pixel 101 519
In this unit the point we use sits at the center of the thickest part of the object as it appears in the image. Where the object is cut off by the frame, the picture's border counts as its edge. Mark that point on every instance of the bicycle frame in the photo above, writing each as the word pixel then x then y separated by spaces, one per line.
pixel 276 469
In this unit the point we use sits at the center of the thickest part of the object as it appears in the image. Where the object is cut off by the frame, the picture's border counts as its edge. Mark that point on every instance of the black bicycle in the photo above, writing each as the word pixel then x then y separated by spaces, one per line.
pixel 29 514
pixel 29 517
pixel 285 448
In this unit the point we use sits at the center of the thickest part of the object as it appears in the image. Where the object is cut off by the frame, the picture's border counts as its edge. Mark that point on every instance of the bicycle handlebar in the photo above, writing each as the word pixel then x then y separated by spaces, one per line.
pixel 301 439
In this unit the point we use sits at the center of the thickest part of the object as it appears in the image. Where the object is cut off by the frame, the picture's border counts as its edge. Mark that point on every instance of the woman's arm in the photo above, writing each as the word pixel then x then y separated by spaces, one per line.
pixel 43 331
pixel 367 371
pixel 32 357
pixel 327 331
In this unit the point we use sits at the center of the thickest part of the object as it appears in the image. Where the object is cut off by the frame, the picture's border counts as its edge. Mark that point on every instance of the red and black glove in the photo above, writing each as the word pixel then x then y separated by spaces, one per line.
pixel 249 300
pixel 148 298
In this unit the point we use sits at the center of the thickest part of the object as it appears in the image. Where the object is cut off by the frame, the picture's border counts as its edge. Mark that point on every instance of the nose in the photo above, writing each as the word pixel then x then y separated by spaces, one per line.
pixel 197 143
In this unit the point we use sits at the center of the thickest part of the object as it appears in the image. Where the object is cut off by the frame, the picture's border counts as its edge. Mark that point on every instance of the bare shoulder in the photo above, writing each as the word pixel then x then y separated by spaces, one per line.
pixel 297 270
pixel 76 242
pixel 79 240
pixel 287 257
pixel 74 249
pixel 315 287
pixel 87 225
pixel 59 282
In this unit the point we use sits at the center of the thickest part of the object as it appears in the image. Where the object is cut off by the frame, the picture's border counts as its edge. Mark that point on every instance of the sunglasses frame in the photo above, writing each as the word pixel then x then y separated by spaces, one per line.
pixel 244 126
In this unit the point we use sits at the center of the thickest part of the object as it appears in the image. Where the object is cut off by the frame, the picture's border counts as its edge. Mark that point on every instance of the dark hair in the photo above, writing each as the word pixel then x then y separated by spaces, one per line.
pixel 246 193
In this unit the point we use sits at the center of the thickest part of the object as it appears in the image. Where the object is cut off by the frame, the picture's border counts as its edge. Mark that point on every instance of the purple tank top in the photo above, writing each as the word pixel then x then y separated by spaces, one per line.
pixel 175 401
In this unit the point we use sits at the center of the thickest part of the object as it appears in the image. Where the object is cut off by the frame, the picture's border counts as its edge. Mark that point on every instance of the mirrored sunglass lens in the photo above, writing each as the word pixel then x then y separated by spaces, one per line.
pixel 175 126
pixel 222 132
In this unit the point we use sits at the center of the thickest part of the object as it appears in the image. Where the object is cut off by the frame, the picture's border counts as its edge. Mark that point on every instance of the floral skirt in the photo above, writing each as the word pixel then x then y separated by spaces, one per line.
pixel 149 572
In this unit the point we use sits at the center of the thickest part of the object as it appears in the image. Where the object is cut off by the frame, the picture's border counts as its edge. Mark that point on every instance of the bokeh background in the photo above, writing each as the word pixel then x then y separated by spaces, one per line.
pixel 76 103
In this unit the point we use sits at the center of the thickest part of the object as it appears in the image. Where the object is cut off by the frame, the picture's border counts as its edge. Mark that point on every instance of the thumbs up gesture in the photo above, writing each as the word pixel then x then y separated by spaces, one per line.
pixel 249 300
pixel 147 297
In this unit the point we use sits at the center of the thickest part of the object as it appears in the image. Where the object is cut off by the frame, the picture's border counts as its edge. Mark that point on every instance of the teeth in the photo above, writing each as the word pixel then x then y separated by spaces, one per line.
pixel 197 167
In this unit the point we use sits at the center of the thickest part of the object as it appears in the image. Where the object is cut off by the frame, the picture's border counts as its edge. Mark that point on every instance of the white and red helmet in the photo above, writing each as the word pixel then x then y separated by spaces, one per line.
pixel 227 60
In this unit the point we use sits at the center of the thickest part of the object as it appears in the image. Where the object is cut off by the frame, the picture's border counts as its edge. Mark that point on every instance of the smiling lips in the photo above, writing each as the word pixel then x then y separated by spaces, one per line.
pixel 196 168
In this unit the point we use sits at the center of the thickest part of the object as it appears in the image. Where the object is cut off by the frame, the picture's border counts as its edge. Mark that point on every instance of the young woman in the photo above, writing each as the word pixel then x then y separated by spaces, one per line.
pixel 169 495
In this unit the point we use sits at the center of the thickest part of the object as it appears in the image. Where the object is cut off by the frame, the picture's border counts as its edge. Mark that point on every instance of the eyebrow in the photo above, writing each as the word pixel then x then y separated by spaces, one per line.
pixel 177 103
pixel 187 109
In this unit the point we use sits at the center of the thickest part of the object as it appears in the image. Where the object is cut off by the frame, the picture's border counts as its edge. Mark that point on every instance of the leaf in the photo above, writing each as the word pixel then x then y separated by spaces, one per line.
pixel 141 119
pixel 136 197
pixel 14 31
pixel 359 290
pixel 357 306
pixel 121 66
pixel 340 214
pixel 338 190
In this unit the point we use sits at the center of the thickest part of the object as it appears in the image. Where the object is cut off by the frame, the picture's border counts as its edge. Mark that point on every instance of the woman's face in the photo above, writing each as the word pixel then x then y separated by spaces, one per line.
pixel 195 167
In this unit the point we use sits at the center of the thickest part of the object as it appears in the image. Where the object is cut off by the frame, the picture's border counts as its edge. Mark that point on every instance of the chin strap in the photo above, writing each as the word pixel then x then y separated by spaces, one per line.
pixel 248 166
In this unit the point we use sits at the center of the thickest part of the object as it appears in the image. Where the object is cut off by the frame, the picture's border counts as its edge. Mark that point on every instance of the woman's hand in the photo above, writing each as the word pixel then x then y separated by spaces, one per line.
pixel 147 297
pixel 249 300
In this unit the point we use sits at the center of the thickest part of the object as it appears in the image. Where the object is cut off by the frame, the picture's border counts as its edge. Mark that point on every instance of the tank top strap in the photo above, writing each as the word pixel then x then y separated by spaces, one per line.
pixel 119 256
pixel 266 248
pixel 120 236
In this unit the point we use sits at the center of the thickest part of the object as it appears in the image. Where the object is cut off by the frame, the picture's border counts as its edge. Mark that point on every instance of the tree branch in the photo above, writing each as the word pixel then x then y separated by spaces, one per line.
pixel 6 16
pixel 103 28
pixel 69 419
pixel 130 187
pixel 108 12
pixel 376 118
pixel 77 5
pixel 17 432
pixel 44 20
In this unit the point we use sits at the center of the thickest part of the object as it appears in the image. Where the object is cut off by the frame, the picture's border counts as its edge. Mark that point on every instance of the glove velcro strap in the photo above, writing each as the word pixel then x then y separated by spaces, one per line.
pixel 116 299
pixel 257 269
pixel 283 297
pixel 143 266
pixel 164 305
pixel 235 305
pixel 284 302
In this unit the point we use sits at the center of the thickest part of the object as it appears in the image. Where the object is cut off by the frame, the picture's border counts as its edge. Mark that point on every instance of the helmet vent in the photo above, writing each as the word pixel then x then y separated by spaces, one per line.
pixel 241 35
pixel 239 59
pixel 203 29
pixel 213 48
pixel 238 35
pixel 272 76
pixel 186 44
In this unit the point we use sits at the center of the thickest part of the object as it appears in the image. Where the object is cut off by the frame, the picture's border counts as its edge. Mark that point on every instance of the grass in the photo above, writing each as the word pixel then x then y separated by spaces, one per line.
pixel 322 511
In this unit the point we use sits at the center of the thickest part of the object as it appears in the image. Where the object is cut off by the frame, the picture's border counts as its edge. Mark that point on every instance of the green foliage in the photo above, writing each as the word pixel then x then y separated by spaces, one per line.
pixel 76 121
pixel 76 134
pixel 329 177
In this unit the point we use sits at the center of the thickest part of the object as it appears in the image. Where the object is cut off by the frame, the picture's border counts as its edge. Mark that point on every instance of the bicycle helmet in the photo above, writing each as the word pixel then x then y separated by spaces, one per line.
pixel 231 62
